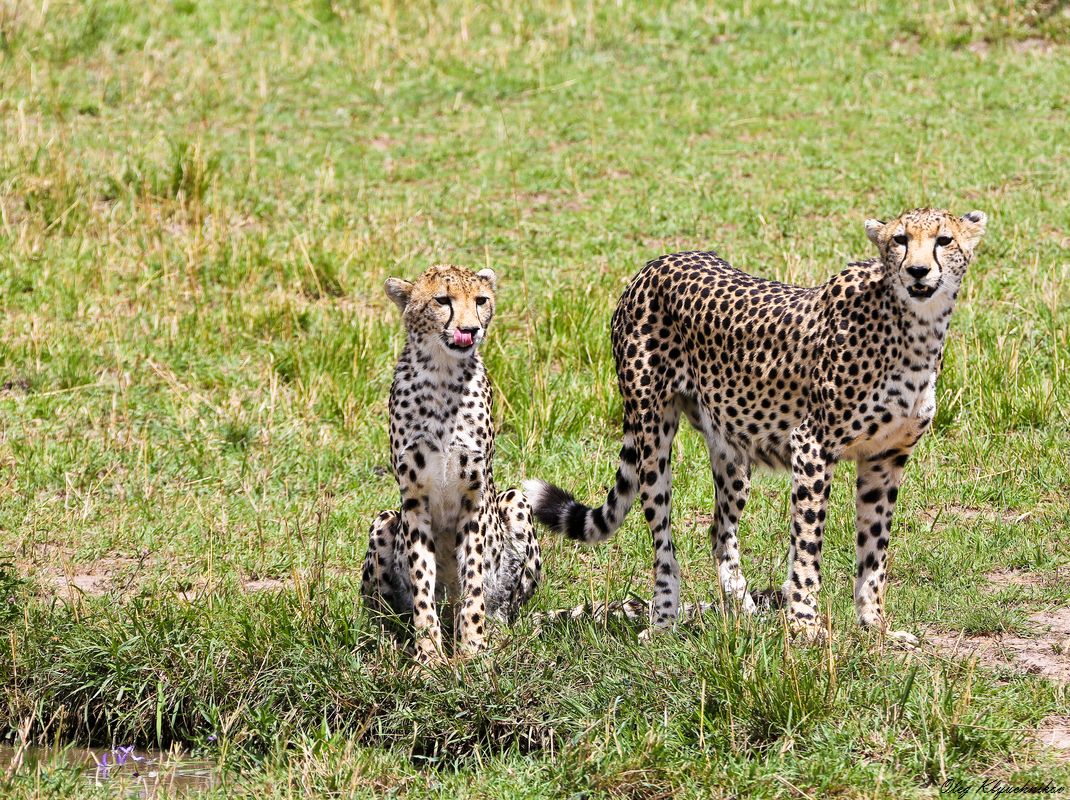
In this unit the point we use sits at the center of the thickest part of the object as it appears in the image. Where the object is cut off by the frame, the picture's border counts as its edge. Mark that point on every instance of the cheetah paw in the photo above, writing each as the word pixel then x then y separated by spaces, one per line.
pixel 903 639
pixel 747 605
pixel 427 653
pixel 807 634
pixel 647 635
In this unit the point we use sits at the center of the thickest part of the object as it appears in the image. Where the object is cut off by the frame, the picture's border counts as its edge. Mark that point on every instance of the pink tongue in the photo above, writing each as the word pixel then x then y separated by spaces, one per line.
pixel 462 338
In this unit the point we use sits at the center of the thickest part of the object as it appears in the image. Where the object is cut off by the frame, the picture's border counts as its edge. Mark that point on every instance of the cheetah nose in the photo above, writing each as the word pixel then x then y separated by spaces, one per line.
pixel 464 336
pixel 917 272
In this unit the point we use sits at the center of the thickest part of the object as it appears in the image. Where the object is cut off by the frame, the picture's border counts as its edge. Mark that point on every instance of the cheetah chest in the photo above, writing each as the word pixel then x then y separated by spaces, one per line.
pixel 452 465
pixel 909 399
pixel 455 476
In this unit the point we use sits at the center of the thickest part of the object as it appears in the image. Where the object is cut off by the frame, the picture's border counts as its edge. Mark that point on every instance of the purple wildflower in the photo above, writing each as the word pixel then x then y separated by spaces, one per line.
pixel 128 752
pixel 116 759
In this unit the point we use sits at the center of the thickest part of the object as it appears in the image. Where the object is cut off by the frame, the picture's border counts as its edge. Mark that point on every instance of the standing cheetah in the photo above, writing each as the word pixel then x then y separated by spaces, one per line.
pixel 454 538
pixel 784 377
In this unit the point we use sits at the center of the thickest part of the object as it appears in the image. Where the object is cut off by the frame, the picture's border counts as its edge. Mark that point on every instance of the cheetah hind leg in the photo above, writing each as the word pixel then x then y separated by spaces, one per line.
pixel 731 471
pixel 384 586
pixel 731 476
pixel 522 560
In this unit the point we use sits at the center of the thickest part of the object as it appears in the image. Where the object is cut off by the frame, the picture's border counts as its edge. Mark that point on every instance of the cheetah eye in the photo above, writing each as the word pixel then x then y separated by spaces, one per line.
pixel 482 301
pixel 901 239
pixel 943 241
pixel 443 301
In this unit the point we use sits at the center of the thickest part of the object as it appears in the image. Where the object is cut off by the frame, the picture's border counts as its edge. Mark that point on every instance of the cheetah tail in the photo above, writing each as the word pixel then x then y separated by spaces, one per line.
pixel 633 608
pixel 561 512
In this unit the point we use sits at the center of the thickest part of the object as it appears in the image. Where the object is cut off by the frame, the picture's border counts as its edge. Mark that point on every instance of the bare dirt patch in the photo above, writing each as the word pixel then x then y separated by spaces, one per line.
pixel 266 585
pixel 907 46
pixel 1001 579
pixel 1034 44
pixel 1058 236
pixel 1053 733
pixel 1046 654
pixel 947 512
pixel 120 576
pixel 70 587
pixel 200 589
pixel 383 144
pixel 114 575
pixel 699 520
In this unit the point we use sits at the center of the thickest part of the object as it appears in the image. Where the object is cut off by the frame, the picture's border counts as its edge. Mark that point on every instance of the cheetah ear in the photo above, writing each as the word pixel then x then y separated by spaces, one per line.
pixel 972 226
pixel 399 291
pixel 873 229
pixel 489 276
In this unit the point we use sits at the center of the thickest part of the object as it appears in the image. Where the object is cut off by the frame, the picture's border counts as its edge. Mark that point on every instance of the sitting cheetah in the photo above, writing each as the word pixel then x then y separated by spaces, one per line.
pixel 454 538
pixel 784 377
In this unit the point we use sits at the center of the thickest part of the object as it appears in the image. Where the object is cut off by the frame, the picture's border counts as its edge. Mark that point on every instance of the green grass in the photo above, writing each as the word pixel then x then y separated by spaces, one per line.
pixel 199 202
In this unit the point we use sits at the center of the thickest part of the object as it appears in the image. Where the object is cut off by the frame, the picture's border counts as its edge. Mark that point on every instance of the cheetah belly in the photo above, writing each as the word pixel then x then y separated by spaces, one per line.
pixel 767 448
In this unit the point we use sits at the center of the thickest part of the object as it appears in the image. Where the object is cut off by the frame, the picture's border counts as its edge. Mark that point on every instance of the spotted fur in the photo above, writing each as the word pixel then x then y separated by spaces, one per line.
pixel 786 377
pixel 455 538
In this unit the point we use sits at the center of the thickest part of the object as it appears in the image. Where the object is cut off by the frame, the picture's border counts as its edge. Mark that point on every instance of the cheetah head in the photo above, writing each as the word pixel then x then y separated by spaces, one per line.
pixel 447 308
pixel 925 253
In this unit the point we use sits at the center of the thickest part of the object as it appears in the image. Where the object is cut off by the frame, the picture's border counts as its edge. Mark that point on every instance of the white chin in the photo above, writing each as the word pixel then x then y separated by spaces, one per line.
pixel 460 352
pixel 923 306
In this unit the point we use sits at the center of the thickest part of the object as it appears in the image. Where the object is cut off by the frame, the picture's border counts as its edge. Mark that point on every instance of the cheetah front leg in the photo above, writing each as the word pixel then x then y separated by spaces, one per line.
pixel 520 539
pixel 811 474
pixel 472 619
pixel 420 548
pixel 877 491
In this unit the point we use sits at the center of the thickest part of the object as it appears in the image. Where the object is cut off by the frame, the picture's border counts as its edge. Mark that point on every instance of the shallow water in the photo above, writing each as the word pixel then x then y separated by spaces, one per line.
pixel 132 772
